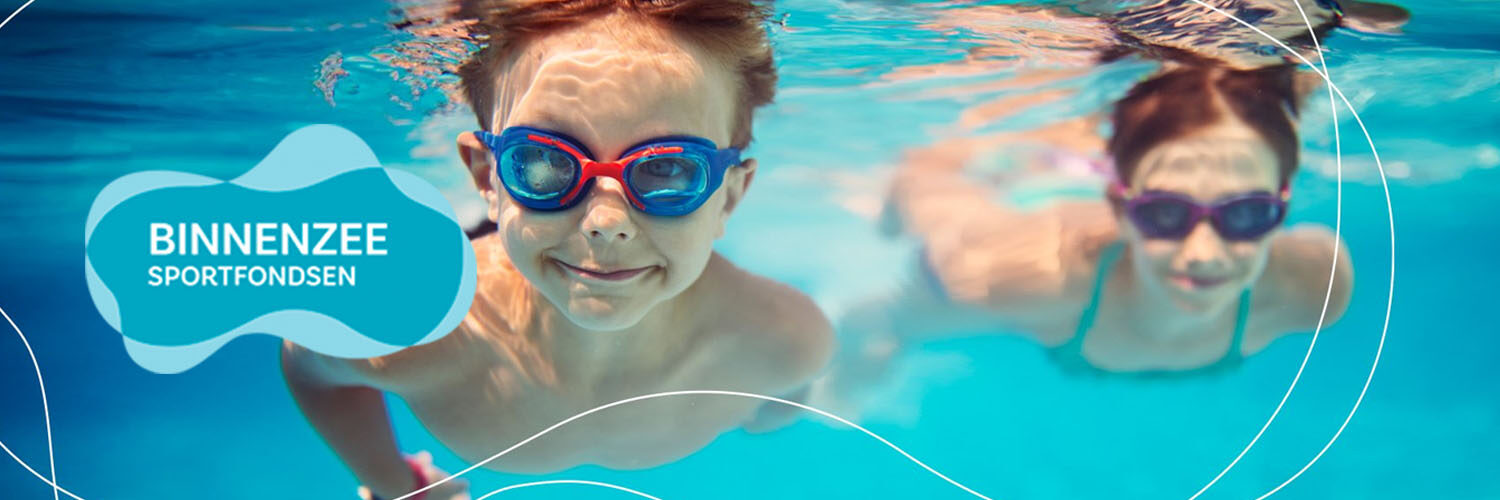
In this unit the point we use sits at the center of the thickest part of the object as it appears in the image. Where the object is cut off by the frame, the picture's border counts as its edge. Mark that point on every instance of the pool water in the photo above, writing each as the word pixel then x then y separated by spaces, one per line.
pixel 92 90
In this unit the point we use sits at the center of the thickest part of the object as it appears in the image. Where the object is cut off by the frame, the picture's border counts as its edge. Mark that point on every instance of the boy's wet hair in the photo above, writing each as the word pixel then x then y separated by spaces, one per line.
pixel 732 29
pixel 1190 98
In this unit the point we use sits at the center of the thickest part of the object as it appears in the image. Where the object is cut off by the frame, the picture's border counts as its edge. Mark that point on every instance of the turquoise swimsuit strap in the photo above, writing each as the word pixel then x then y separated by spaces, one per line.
pixel 1107 260
pixel 1241 317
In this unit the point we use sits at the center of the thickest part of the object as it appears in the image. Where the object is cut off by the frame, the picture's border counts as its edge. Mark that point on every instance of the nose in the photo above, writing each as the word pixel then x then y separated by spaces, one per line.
pixel 606 217
pixel 1203 250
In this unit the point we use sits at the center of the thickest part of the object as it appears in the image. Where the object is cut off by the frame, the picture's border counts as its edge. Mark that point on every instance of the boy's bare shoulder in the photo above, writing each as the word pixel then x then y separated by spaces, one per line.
pixel 780 324
pixel 464 349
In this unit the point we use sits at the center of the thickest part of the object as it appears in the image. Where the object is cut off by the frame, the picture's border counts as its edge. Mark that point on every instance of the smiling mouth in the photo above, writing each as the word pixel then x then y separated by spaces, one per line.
pixel 1199 282
pixel 605 275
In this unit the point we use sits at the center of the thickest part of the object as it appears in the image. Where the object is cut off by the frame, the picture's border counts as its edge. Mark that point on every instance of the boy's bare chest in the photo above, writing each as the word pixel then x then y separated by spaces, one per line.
pixel 624 421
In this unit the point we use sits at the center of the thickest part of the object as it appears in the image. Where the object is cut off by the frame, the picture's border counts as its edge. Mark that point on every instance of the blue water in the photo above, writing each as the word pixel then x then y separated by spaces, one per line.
pixel 90 90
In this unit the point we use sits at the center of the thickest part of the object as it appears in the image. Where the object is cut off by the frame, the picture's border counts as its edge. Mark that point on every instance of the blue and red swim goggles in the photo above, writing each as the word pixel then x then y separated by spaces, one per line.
pixel 549 171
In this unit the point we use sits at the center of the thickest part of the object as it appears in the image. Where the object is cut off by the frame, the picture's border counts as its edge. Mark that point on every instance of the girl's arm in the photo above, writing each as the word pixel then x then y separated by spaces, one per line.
pixel 1024 265
pixel 985 253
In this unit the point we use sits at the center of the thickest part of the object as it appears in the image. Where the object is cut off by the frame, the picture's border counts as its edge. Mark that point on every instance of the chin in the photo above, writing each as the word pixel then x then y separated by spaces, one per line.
pixel 1202 301
pixel 602 315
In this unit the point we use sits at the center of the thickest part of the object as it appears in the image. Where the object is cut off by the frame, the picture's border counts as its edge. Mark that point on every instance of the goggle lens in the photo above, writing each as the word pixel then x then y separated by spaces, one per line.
pixel 670 179
pixel 1164 218
pixel 1247 219
pixel 537 172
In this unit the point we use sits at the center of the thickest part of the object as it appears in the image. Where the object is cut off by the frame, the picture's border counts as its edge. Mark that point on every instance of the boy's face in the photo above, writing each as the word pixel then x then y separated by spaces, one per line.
pixel 611 84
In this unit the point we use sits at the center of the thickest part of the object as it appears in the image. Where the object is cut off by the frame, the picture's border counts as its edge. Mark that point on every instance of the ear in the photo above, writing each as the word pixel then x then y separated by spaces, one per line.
pixel 1116 204
pixel 737 181
pixel 476 156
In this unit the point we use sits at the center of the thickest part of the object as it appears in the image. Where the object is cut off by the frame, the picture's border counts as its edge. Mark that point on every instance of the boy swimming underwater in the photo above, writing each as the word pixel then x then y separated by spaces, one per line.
pixel 610 160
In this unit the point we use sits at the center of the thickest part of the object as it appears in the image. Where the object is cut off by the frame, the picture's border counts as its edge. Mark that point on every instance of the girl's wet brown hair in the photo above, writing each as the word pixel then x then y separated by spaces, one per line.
pixel 733 29
pixel 1183 100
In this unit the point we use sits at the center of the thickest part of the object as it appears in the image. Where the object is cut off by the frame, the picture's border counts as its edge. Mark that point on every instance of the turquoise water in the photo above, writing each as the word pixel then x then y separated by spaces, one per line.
pixel 90 91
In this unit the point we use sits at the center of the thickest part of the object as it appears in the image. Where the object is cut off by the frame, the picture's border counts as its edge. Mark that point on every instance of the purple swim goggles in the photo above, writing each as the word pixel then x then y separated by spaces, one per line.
pixel 1172 216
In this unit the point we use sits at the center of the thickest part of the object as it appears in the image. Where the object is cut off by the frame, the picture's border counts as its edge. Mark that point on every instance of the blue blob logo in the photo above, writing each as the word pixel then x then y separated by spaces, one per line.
pixel 317 244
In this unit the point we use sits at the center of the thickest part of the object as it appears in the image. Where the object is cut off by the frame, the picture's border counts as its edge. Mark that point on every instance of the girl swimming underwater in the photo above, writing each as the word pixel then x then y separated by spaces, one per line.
pixel 1182 267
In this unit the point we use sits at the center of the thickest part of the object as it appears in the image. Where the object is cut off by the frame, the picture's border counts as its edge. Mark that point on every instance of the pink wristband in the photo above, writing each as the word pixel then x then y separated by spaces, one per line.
pixel 421 479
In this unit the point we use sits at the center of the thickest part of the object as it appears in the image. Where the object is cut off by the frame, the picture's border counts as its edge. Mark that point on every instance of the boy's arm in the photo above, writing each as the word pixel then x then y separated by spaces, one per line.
pixel 801 346
pixel 350 416
pixel 772 416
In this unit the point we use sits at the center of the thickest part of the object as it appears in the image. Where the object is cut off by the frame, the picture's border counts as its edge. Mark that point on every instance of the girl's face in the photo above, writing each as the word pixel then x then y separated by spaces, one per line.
pixel 1203 271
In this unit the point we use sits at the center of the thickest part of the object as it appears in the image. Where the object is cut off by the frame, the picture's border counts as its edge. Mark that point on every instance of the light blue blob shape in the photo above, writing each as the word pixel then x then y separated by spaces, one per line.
pixel 462 302
pixel 304 158
pixel 112 196
pixel 308 156
pixel 131 185
pixel 104 300
pixel 422 192
pixel 308 329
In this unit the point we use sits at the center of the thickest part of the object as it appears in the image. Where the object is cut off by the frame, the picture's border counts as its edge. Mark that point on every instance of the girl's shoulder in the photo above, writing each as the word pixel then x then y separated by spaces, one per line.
pixel 1308 279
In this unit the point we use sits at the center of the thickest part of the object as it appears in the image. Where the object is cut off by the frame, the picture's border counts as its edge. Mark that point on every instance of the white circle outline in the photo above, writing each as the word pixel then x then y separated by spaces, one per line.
pixel 46 413
pixel 1338 220
pixel 566 481
pixel 702 392
pixel 1390 217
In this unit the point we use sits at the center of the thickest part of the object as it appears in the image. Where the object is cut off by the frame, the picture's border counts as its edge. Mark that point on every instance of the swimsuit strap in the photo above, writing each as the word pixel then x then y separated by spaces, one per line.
pixel 1240 319
pixel 1107 259
pixel 1070 353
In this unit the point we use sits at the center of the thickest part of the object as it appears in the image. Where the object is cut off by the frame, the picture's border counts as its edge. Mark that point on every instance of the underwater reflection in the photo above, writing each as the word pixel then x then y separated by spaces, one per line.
pixel 1082 34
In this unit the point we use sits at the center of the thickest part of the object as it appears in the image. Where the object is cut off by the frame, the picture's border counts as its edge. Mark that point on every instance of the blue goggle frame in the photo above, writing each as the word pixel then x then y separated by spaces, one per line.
pixel 700 152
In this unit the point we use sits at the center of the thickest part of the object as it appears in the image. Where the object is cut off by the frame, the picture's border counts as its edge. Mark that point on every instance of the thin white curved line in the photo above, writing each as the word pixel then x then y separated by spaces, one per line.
pixel 1390 217
pixel 46 414
pixel 13 14
pixel 697 392
pixel 566 481
pixel 1338 220
pixel 35 473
